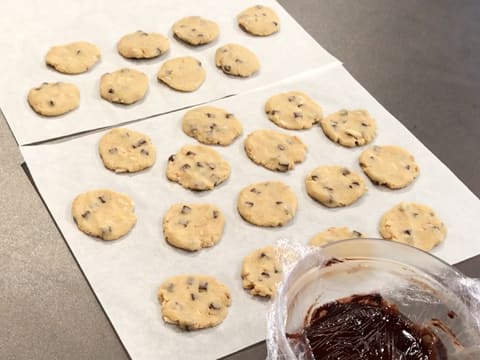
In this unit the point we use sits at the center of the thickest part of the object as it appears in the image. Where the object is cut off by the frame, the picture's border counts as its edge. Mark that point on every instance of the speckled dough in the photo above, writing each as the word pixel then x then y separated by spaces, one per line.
pixel 211 125
pixel 143 45
pixel 124 86
pixel 275 150
pixel 74 58
pixel 350 128
pixel 196 30
pixel 193 226
pixel 194 301
pixel 182 73
pixel 104 214
pixel 334 234
pixel 391 166
pixel 413 224
pixel 236 60
pixel 270 203
pixel 197 167
pixel 293 110
pixel 259 20
pixel 53 99
pixel 335 186
pixel 261 272
pixel 125 150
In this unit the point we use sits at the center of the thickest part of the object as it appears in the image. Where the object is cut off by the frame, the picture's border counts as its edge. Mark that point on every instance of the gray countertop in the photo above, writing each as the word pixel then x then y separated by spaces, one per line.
pixel 418 58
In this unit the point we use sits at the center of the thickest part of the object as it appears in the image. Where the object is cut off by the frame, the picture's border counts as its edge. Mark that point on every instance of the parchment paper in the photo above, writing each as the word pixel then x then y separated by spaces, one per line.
pixel 125 274
pixel 31 27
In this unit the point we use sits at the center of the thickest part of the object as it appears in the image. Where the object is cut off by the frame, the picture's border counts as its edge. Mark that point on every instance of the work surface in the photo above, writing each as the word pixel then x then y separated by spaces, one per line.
pixel 420 60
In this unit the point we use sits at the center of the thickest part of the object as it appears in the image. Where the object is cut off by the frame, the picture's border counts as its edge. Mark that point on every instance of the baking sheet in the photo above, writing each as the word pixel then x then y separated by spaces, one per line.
pixel 30 28
pixel 125 274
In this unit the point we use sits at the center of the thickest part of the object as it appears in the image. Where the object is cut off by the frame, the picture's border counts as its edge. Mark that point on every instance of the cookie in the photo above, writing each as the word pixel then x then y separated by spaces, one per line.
pixel 335 186
pixel 261 272
pixel 194 301
pixel 104 214
pixel 211 125
pixel 73 58
pixel 413 224
pixel 143 45
pixel 391 166
pixel 124 86
pixel 236 60
pixel 259 20
pixel 182 73
pixel 193 226
pixel 197 167
pixel 195 30
pixel 125 150
pixel 350 128
pixel 275 150
pixel 53 99
pixel 270 203
pixel 293 110
pixel 334 234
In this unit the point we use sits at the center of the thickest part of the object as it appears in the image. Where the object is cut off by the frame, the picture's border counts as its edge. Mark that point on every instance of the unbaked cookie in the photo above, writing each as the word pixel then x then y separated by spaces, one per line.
pixel 125 150
pixel 262 271
pixel 391 166
pixel 334 234
pixel 193 226
pixel 293 110
pixel 195 30
pixel 236 60
pixel 211 125
pixel 105 214
pixel 74 58
pixel 270 203
pixel 197 167
pixel 259 20
pixel 143 45
pixel 53 99
pixel 413 224
pixel 182 73
pixel 194 301
pixel 350 128
pixel 124 86
pixel 275 150
pixel 335 186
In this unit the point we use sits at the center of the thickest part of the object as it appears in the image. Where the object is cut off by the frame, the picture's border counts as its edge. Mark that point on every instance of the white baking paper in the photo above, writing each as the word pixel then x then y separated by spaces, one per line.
pixel 125 274
pixel 31 27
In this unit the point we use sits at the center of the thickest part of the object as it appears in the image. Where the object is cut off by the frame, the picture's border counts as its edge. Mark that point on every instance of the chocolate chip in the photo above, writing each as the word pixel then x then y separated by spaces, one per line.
pixel 186 209
pixel 213 306
pixel 170 287
pixel 106 230
pixel 273 112
pixel 291 98
pixel 249 203
pixel 265 274
pixel 216 214
pixel 190 153
pixel 262 255
pixel 86 214
pixel 408 232
pixel 193 296
pixel 139 143
pixel 113 150
pixel 357 143
pixel 281 147
pixel 356 183
pixel 415 214
pixel 213 126
pixel 200 35
pixel 102 200
pixel 334 124
pixel 229 115
pixel 159 51
pixel 78 52
pixel 171 158
pixel 186 166
pixel 255 191
pixel 276 271
pixel 357 233
pixel 193 29
pixel 328 188
pixel 345 172
pixel 227 68
pixel 212 166
pixel 407 167
pixel 279 202
pixel 238 61
pixel 51 103
pixel 314 177
pixel 364 124
pixel 111 91
pixel 210 115
pixel 297 115
pixel 203 286
pixel 275 23
pixel 144 152
pixel 199 164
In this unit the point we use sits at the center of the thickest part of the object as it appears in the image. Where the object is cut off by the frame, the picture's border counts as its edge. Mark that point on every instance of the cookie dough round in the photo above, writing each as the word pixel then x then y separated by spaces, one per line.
pixel 335 186
pixel 293 110
pixel 259 20
pixel 270 203
pixel 413 224
pixel 211 125
pixel 124 86
pixel 125 150
pixel 197 167
pixel 194 301
pixel 236 60
pixel 193 226
pixel 103 213
pixel 74 58
pixel 275 150
pixel 334 234
pixel 182 73
pixel 53 99
pixel 143 45
pixel 261 272
pixel 350 128
pixel 391 166
pixel 195 30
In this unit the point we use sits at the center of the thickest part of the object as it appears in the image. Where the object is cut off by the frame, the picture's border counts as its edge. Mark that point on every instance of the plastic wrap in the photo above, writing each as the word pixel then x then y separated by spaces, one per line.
pixel 426 290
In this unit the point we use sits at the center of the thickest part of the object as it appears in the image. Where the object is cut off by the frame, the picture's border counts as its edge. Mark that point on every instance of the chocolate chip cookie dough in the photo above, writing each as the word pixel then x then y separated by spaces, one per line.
pixel 182 73
pixel 259 20
pixel 124 86
pixel 333 234
pixel 73 58
pixel 236 60
pixel 196 30
pixel 53 99
pixel 143 45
